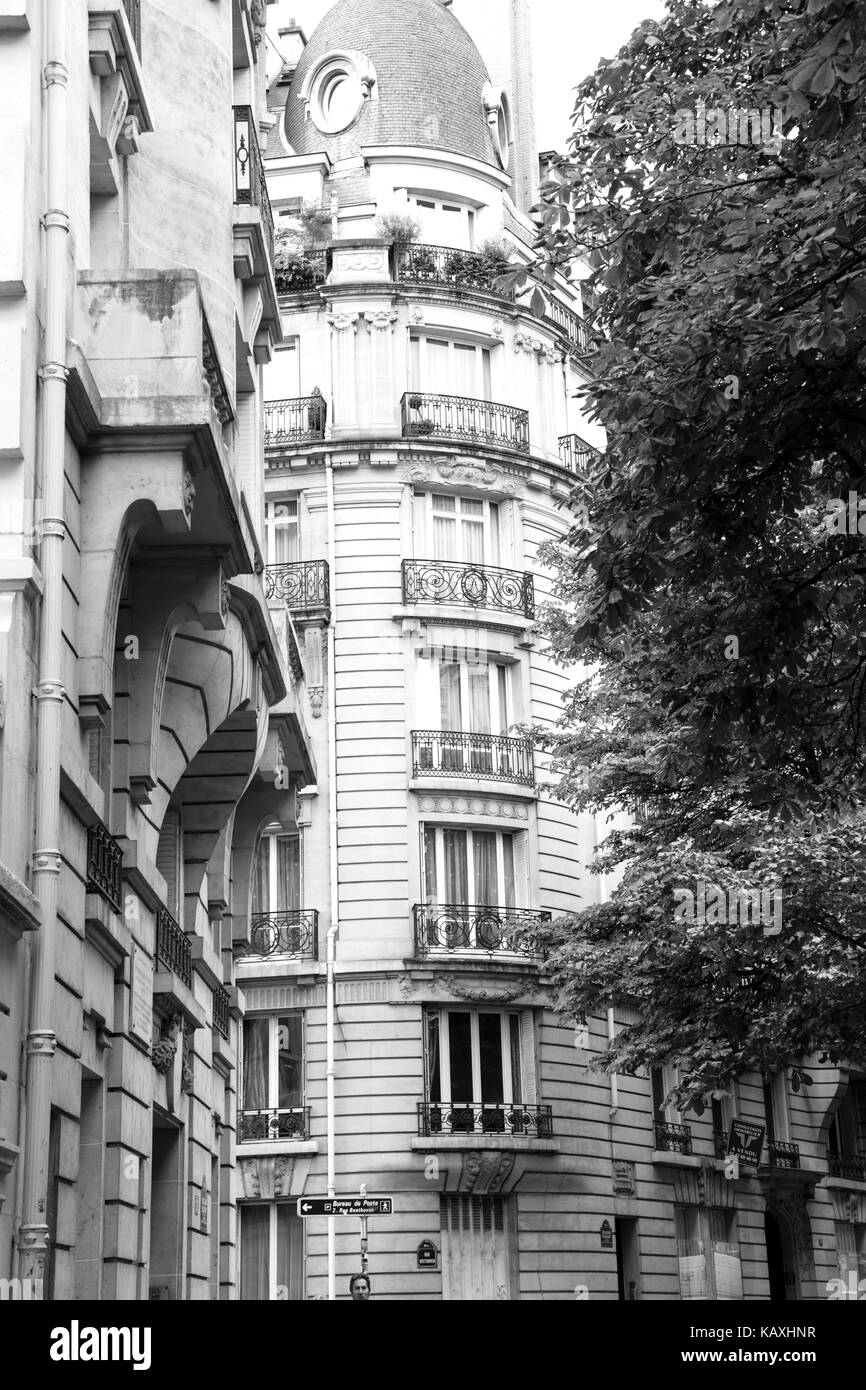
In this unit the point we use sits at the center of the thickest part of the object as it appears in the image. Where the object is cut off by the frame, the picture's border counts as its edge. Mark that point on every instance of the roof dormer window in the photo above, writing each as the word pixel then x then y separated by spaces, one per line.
pixel 336 90
pixel 498 111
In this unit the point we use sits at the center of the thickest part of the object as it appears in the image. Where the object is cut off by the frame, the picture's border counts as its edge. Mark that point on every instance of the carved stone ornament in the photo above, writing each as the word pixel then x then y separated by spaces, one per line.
pixel 501 995
pixel 486 477
pixel 317 696
pixel 473 806
pixel 485 1171
pixel 188 494
pixel 164 1046
pixel 186 1065
pixel 382 319
pixel 341 322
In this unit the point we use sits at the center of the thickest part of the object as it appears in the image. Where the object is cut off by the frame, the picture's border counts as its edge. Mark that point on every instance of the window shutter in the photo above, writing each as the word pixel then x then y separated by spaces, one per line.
pixel 528 1070
pixel 167 856
pixel 521 871
pixel 427 693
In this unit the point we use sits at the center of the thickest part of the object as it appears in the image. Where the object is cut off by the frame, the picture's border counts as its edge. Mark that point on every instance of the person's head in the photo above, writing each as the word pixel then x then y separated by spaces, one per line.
pixel 359 1286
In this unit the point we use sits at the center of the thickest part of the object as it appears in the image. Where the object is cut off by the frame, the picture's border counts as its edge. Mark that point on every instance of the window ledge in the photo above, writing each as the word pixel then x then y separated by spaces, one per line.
pixel 256 1148
pixel 520 1143
pixel 842 1184
pixel 675 1160
pixel 480 786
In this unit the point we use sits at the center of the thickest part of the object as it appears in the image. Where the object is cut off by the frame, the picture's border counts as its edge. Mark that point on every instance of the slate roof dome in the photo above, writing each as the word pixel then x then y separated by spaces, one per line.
pixel 390 72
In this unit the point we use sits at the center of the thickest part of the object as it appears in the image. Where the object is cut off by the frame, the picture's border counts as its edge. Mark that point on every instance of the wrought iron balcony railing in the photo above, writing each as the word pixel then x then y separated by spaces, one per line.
pixel 468 585
pixel 273 1125
pixel 302 587
pixel 466 419
pixel 221 1005
pixel 299 420
pixel 303 272
pixel 781 1155
pixel 673 1139
pixel 465 927
pixel 289 935
pixel 133 14
pixel 847 1166
pixel 569 323
pixel 423 264
pixel 576 455
pixel 250 182
pixel 491 757
pixel 173 947
pixel 104 864
pixel 474 1117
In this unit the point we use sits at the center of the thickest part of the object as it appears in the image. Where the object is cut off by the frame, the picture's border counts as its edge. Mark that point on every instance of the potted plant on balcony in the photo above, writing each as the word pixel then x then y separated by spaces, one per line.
pixel 495 259
pixel 300 245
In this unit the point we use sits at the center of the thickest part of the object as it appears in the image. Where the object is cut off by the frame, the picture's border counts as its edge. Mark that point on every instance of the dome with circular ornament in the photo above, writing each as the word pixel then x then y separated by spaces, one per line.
pixel 395 72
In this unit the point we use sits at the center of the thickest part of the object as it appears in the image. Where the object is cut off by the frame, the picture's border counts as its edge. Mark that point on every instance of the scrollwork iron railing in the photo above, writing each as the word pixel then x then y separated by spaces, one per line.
pixel 250 183
pixel 133 14
pixel 272 1125
pixel 467 585
pixel 306 271
pixel 474 1117
pixel 173 947
pixel 104 865
pixel 221 1006
pixel 285 934
pixel 575 453
pixel 673 1139
pixel 782 1155
pixel 445 266
pixel 571 325
pixel 465 927
pixel 302 586
pixel 466 419
pixel 490 757
pixel 298 420
pixel 851 1166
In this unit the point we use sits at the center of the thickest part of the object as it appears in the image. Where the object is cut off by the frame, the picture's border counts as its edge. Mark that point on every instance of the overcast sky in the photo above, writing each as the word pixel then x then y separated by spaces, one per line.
pixel 569 38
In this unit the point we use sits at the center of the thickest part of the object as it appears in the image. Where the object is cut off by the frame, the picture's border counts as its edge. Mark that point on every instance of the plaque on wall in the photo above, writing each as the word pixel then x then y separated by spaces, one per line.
pixel 141 1000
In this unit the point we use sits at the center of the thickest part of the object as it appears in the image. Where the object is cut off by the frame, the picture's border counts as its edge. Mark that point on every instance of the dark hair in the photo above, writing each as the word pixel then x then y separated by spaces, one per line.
pixel 355 1277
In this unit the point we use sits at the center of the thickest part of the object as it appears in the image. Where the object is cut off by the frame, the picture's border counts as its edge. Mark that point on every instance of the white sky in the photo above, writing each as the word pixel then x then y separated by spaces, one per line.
pixel 569 38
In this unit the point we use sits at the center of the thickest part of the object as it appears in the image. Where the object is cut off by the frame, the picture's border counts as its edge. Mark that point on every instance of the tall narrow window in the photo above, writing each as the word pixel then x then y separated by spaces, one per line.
pixel 283 532
pixel 456 861
pixel 277 874
pixel 273 1078
pixel 272 1253
pixel 479 1066
pixel 465 529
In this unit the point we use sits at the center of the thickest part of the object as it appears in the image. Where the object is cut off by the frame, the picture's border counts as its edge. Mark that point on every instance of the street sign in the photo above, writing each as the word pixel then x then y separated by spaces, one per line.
pixel 345 1206
pixel 746 1141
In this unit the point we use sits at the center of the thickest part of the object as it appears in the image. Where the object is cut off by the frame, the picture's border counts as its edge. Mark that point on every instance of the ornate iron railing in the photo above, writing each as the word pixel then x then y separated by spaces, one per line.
pixel 673 1139
pixel 569 323
pixel 466 419
pixel 133 14
pixel 468 586
pixel 104 864
pixel 575 453
pixel 285 934
pixel 479 756
pixel 473 1117
pixel 781 1155
pixel 213 374
pixel 302 586
pixel 466 927
pixel 424 264
pixel 273 1125
pixel 298 420
pixel 847 1166
pixel 720 1143
pixel 172 947
pixel 221 1005
pixel 250 183
pixel 306 271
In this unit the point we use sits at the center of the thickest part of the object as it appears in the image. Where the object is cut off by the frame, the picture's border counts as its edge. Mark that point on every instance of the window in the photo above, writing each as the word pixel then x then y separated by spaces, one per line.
pixel 476 1248
pixel 480 1070
pixel 336 90
pixel 277 880
pixel 273 1077
pixel 456 693
pixel 443 221
pixel 441 366
pixel 848 1125
pixel 708 1252
pixel 776 1108
pixel 851 1252
pixel 284 372
pixel 283 532
pixel 480 867
pixel 462 529
pixel 272 1253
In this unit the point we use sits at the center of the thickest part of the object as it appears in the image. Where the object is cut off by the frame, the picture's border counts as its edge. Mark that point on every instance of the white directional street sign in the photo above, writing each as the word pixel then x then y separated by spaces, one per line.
pixel 345 1206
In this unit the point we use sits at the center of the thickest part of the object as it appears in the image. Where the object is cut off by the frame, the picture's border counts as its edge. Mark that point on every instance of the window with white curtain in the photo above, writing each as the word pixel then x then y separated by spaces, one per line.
pixel 708 1252
pixel 272 1252
pixel 277 874
pixel 462 529
pixel 273 1062
pixel 282 530
pixel 482 868
pixel 284 371
pixel 455 693
pixel 444 222
pixel 447 367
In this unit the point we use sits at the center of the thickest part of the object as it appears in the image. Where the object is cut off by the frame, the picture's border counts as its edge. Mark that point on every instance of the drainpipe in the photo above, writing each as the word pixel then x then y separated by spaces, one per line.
pixel 33 1233
pixel 333 930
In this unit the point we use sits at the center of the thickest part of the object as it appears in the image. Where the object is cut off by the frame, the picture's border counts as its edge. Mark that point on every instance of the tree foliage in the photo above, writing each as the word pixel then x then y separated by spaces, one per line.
pixel 721 616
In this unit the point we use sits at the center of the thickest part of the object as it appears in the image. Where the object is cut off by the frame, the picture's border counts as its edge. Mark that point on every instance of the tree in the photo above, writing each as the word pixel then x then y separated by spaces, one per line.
pixel 716 186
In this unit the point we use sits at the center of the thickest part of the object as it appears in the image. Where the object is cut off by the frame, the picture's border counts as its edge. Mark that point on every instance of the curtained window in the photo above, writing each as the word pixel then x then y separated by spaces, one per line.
pixel 272 1253
pixel 273 1063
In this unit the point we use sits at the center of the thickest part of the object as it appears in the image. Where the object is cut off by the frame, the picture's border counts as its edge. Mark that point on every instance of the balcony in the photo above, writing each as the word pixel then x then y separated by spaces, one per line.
pixel 575 454
pixel 481 757
pixel 104 863
pixel 251 187
pixel 472 1117
pixel 851 1166
pixel 462 927
pixel 303 272
pixel 270 1126
pixel 221 1005
pixel 467 585
pixel 284 935
pixel 448 268
pixel 782 1155
pixel 299 420
pixel 673 1139
pixel 173 948
pixel 304 587
pixel 466 420
pixel 570 325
